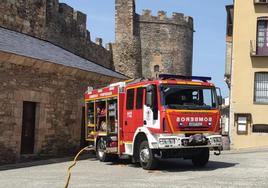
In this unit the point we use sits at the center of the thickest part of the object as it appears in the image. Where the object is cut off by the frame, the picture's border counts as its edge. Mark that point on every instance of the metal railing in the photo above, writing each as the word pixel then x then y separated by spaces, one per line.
pixel 253 48
pixel 260 1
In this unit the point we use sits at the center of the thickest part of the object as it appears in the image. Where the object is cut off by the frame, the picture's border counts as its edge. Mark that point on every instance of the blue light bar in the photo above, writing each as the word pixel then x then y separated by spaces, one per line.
pixel 171 76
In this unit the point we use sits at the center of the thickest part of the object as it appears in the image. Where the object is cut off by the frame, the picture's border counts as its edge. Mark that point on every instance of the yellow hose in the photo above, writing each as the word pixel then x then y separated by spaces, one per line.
pixel 88 148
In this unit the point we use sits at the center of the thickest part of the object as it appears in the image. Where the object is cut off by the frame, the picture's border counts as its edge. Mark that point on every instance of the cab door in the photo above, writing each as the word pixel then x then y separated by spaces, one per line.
pixel 139 103
pixel 129 119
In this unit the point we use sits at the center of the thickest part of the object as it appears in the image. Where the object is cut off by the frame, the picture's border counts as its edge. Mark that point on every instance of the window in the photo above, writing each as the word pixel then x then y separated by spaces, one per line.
pixel 260 128
pixel 90 113
pixel 262 36
pixel 242 122
pixel 261 87
pixel 156 68
pixel 188 97
pixel 230 18
pixel 139 98
pixel 155 102
pixel 261 1
pixel 130 99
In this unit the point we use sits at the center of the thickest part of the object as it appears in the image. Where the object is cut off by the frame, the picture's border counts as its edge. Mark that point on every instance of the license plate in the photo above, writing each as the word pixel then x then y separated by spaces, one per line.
pixel 195 124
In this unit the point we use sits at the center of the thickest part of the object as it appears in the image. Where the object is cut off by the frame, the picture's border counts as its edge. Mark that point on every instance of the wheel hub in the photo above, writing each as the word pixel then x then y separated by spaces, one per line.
pixel 101 148
pixel 101 153
pixel 144 155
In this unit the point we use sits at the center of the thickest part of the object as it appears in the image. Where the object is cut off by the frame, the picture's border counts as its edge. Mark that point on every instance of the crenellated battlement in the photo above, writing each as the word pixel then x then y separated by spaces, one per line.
pixel 162 17
pixel 69 21
pixel 66 17
pixel 80 17
pixel 66 10
pixel 146 12
pixel 98 41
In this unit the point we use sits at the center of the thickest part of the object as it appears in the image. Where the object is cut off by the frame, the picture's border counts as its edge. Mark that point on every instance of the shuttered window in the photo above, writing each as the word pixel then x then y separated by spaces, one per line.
pixel 262 36
pixel 261 87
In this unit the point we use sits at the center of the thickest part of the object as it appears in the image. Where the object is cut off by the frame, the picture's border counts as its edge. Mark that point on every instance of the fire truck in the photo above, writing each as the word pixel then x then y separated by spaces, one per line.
pixel 169 117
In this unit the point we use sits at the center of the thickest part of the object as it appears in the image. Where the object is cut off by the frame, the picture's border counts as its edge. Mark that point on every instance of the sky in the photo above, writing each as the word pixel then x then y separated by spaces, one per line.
pixel 209 22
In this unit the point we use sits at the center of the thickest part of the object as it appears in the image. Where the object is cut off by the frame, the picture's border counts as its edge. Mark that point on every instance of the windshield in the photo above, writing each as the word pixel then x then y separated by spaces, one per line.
pixel 188 97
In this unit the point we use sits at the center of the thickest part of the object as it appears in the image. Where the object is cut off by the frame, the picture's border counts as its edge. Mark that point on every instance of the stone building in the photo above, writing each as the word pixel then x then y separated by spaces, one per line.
pixel 147 45
pixel 41 96
pixel 247 73
pixel 43 77
pixel 47 61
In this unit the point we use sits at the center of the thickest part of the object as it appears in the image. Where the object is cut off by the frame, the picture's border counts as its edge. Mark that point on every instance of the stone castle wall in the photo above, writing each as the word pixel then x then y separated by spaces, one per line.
pixel 145 45
pixel 57 23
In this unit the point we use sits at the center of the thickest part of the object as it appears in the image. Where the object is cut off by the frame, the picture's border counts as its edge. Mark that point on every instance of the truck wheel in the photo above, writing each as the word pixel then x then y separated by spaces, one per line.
pixel 100 151
pixel 202 158
pixel 146 158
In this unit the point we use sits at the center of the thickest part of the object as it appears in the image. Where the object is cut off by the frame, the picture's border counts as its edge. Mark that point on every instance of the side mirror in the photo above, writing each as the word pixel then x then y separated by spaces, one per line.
pixel 151 95
pixel 220 100
pixel 219 96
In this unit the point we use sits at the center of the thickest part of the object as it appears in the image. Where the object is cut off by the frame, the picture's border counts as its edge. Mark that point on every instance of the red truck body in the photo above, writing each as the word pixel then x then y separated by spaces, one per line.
pixel 152 119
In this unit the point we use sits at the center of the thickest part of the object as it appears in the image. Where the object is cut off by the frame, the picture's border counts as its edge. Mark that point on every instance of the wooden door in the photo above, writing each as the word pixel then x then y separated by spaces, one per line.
pixel 262 39
pixel 28 128
pixel 83 142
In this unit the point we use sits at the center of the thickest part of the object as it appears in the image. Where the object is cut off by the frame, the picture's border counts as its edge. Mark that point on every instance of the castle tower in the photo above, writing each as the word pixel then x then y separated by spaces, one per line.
pixel 124 20
pixel 166 44
pixel 148 45
pixel 127 49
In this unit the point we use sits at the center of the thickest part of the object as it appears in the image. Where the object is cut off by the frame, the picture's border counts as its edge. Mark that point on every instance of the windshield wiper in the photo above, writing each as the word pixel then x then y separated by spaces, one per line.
pixel 189 106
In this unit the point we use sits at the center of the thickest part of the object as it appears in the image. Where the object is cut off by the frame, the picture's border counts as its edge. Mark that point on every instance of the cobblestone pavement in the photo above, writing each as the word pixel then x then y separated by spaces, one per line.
pixel 231 169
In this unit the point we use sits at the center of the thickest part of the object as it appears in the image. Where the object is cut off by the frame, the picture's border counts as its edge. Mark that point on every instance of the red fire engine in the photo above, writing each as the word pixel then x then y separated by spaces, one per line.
pixel 168 117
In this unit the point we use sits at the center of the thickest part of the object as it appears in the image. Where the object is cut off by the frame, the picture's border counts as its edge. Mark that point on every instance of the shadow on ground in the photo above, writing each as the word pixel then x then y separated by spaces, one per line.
pixel 45 162
pixel 168 165
pixel 178 165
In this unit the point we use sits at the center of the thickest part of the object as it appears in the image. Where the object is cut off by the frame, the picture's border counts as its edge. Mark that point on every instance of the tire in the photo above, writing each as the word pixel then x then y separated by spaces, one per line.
pixel 146 158
pixel 202 158
pixel 100 151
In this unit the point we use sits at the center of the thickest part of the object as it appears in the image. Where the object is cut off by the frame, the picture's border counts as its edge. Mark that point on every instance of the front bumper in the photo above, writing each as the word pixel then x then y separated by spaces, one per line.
pixel 214 142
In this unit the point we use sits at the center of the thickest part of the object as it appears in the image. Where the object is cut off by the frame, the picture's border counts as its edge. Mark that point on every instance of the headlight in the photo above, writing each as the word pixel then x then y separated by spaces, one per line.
pixel 217 139
pixel 164 141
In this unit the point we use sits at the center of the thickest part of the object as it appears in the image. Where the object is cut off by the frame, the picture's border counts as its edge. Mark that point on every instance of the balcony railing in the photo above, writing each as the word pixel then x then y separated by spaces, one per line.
pixel 260 1
pixel 253 48
pixel 254 51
